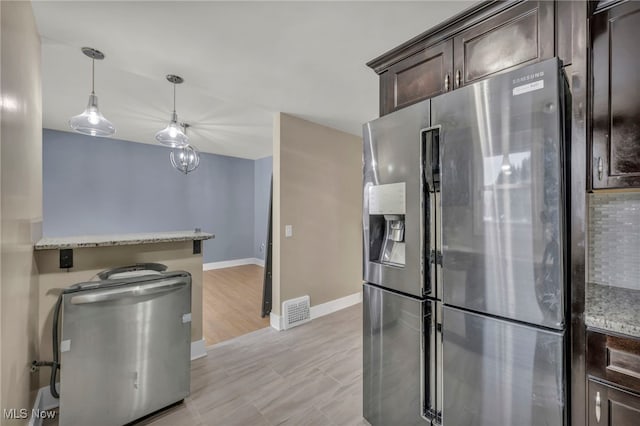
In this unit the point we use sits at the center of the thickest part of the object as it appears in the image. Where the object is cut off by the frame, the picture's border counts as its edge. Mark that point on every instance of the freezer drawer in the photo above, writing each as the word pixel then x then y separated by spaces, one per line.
pixel 394 362
pixel 125 350
pixel 498 372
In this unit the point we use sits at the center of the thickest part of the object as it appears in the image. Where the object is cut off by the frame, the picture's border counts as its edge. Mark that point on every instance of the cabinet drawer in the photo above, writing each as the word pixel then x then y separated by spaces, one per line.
pixel 615 359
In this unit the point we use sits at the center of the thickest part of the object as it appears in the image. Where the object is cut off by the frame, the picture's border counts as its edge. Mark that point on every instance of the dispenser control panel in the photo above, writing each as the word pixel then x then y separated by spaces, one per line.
pixel 387 199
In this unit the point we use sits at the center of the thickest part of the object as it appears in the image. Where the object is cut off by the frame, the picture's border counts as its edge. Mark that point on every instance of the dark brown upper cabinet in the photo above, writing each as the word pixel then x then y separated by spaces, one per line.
pixel 609 406
pixel 486 39
pixel 420 76
pixel 615 159
pixel 515 37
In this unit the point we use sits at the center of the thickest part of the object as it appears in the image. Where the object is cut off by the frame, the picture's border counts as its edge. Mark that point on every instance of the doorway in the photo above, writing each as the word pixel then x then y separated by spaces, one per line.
pixel 232 299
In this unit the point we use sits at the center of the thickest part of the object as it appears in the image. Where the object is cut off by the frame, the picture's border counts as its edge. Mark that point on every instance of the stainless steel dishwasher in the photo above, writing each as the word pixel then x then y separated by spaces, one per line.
pixel 125 347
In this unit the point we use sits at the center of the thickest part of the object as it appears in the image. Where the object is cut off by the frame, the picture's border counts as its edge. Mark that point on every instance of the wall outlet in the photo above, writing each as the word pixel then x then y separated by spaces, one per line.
pixel 261 247
pixel 288 231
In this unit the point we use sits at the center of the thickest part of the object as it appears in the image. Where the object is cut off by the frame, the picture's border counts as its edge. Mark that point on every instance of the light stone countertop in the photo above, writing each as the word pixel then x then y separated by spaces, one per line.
pixel 80 241
pixel 614 309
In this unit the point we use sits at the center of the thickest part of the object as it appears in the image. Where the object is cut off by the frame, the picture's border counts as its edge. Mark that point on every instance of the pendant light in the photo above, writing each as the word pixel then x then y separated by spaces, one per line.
pixel 185 159
pixel 91 122
pixel 506 167
pixel 173 135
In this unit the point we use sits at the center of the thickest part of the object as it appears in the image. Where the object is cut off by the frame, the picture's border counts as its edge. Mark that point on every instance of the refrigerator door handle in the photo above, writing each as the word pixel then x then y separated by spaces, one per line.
pixel 430 141
pixel 425 365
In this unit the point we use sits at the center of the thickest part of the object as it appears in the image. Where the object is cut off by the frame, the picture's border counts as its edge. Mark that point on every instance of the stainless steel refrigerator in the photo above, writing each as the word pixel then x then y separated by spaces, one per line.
pixel 401 295
pixel 503 243
pixel 463 221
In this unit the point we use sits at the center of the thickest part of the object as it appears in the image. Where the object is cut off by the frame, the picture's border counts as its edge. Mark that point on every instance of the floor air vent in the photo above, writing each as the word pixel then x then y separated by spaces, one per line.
pixel 296 312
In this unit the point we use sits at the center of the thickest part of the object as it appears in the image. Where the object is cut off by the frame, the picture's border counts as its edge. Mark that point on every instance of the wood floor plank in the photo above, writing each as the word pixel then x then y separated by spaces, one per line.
pixel 308 375
pixel 232 299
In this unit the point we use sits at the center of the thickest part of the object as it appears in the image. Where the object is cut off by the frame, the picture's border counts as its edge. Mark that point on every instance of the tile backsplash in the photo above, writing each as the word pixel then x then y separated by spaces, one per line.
pixel 614 239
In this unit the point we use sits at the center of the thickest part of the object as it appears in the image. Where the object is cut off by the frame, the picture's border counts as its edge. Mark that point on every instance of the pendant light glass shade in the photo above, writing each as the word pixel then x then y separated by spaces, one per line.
pixel 506 165
pixel 185 159
pixel 173 135
pixel 91 122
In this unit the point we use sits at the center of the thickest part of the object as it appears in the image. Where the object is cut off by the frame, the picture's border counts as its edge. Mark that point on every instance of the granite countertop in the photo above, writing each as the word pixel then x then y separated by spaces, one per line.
pixel 80 241
pixel 611 308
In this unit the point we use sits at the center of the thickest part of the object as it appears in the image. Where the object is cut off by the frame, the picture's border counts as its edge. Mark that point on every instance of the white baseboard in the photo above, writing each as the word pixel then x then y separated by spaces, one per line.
pixel 275 321
pixel 322 309
pixel 335 305
pixel 198 349
pixel 231 263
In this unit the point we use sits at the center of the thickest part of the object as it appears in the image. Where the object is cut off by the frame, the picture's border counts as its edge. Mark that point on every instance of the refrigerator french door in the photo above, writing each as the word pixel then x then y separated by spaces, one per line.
pixel 394 195
pixel 502 203
pixel 401 309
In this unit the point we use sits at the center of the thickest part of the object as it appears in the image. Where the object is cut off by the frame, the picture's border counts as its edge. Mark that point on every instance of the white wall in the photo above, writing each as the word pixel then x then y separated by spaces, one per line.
pixel 20 199
pixel 317 190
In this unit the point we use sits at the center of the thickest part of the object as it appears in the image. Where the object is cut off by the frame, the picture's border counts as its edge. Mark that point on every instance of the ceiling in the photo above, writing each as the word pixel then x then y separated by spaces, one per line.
pixel 241 61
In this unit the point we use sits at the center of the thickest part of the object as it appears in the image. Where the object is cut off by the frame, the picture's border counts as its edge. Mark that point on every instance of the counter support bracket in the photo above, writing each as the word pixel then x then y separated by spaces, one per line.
pixel 66 258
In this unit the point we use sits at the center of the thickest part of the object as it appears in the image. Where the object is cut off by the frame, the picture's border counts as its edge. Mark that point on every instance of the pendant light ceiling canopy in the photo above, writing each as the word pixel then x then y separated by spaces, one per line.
pixel 185 159
pixel 91 122
pixel 173 135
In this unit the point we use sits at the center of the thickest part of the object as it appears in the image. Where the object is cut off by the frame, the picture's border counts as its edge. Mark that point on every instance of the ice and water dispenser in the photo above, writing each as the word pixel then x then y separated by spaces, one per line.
pixel 387 224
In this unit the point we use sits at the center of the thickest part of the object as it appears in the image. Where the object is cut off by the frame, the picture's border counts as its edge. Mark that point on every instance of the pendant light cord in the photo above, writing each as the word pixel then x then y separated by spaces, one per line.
pixel 174 97
pixel 93 75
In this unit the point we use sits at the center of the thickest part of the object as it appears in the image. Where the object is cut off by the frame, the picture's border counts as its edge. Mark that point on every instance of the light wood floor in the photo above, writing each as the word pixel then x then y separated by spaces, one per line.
pixel 232 300
pixel 309 375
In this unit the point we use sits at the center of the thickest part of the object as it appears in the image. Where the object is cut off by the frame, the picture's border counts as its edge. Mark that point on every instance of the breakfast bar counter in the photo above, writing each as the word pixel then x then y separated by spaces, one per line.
pixel 65 261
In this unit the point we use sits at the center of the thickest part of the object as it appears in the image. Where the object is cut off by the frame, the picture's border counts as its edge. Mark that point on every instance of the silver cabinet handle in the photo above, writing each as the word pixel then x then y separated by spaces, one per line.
pixel 129 291
pixel 598 407
pixel 446 82
pixel 458 78
pixel 600 168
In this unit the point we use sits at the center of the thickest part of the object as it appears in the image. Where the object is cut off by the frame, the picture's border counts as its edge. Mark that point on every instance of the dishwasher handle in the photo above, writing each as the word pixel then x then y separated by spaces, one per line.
pixel 156 267
pixel 165 286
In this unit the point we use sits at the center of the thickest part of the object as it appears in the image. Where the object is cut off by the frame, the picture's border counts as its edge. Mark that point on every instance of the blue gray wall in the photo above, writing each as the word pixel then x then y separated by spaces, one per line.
pixel 102 186
pixel 262 187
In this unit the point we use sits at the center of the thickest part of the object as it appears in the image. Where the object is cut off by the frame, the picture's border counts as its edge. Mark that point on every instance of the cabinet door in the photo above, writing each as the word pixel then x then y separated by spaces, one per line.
pixel 616 97
pixel 609 406
pixel 420 76
pixel 520 35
